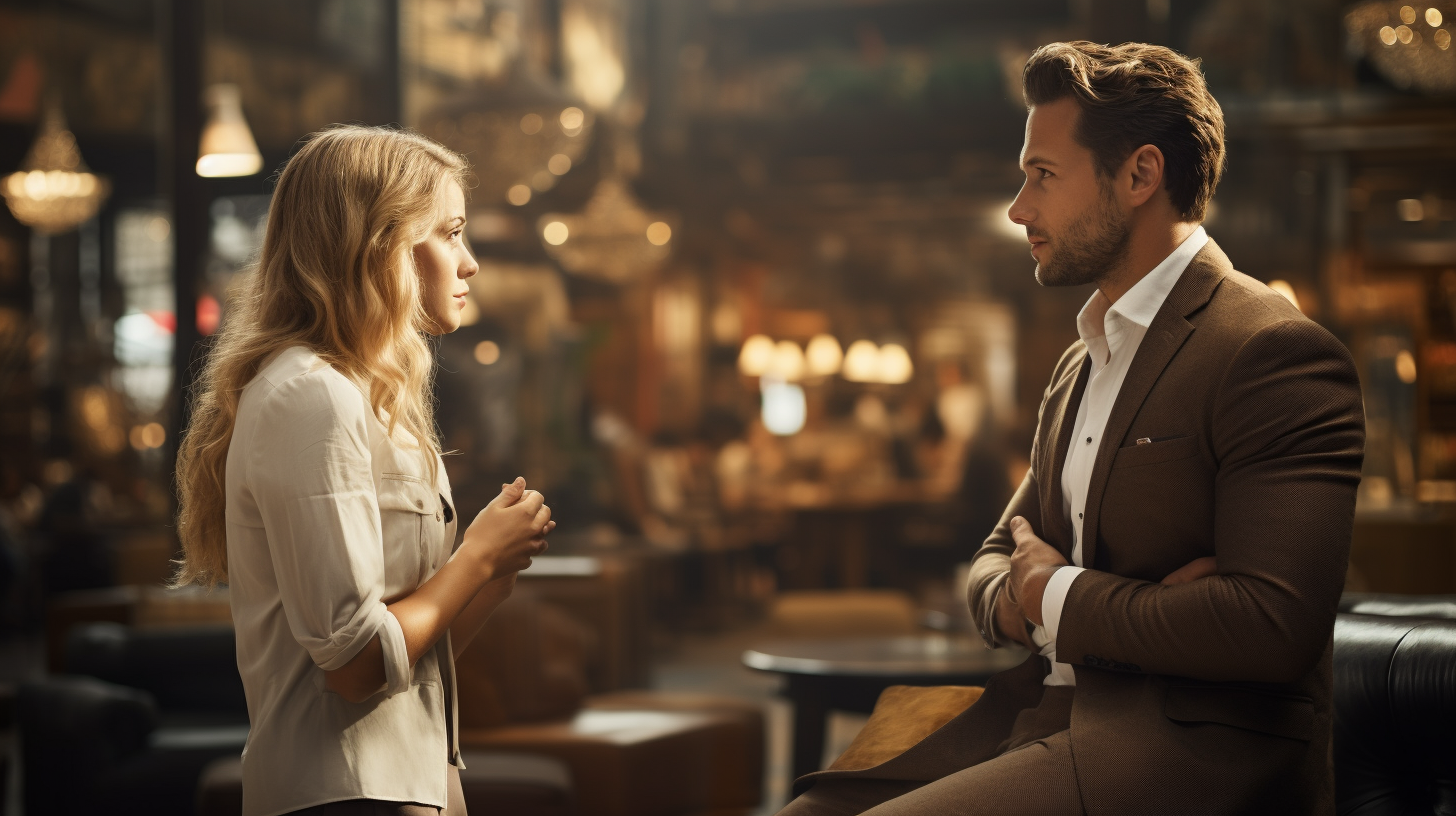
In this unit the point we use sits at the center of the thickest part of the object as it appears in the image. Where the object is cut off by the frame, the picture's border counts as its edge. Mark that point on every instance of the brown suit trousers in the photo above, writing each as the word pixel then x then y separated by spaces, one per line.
pixel 1212 696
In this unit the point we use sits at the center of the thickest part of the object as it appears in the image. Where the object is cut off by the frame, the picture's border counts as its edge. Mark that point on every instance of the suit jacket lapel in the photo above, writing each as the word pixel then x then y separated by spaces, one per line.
pixel 1062 410
pixel 1167 333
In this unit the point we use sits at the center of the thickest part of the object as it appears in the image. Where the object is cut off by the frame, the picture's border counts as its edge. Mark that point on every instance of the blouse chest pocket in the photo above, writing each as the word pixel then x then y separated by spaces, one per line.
pixel 412 526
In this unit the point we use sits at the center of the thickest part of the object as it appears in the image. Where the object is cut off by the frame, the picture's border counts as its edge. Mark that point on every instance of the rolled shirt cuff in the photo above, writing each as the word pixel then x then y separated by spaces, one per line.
pixel 396 655
pixel 1055 596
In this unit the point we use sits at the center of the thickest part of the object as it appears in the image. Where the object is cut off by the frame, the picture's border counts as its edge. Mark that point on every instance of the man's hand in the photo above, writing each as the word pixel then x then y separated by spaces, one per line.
pixel 1032 566
pixel 1009 618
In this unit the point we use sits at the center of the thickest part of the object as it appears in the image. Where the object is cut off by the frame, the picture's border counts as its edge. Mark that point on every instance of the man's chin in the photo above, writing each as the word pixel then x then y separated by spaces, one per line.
pixel 1052 276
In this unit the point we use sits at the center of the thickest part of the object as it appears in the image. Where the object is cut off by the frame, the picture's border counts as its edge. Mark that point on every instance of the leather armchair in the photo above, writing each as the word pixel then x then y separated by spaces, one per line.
pixel 1395 705
pixel 1394 697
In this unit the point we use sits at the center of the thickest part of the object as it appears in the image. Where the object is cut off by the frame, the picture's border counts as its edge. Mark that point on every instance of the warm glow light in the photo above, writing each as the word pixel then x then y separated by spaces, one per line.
pixel 894 364
pixel 531 124
pixel 1283 288
pixel 1405 367
pixel 659 233
pixel 1404 34
pixel 823 357
pixel 519 195
pixel 227 148
pixel 1407 15
pixel 1410 209
pixel 1433 17
pixel 487 352
pixel 784 408
pixel 150 435
pixel 560 164
pixel 572 120
pixel 756 356
pixel 1387 35
pixel 787 363
pixel 555 233
pixel 1442 39
pixel 862 362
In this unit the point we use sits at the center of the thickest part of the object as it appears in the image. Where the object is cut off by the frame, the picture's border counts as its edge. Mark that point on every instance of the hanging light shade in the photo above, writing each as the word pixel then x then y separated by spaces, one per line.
pixel 54 191
pixel 227 148
pixel 613 238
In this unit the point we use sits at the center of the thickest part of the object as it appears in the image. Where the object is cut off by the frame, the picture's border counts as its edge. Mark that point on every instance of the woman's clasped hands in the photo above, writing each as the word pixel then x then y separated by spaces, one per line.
pixel 510 531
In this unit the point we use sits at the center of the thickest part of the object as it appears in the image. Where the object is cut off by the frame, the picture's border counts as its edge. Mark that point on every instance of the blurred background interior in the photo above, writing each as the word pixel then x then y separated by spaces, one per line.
pixel 750 313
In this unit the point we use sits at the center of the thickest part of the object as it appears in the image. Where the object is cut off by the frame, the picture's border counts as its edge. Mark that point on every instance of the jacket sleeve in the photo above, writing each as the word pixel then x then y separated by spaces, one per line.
pixel 310 474
pixel 1288 431
pixel 992 562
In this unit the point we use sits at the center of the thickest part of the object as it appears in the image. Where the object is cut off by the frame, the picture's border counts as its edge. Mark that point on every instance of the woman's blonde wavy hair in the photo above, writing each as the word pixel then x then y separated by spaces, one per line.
pixel 337 275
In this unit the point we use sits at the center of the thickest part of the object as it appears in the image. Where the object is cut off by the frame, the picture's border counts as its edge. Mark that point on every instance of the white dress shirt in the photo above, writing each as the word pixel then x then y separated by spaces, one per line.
pixel 1112 333
pixel 328 518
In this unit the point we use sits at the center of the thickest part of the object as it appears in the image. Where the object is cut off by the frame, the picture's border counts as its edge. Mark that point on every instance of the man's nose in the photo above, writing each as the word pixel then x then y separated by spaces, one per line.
pixel 1019 213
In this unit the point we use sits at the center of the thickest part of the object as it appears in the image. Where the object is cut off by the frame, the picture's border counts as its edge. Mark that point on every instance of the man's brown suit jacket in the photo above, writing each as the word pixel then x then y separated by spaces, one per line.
pixel 1212 696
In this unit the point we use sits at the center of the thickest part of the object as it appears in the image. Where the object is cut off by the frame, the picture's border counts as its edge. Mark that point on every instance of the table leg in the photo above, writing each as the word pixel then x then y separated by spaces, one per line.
pixel 811 715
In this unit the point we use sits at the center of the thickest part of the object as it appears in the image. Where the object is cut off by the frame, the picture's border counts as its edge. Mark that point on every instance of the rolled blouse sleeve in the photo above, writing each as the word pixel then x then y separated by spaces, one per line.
pixel 311 477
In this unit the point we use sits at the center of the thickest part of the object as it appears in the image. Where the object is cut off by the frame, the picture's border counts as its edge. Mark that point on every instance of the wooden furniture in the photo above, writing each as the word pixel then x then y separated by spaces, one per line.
pixel 849 674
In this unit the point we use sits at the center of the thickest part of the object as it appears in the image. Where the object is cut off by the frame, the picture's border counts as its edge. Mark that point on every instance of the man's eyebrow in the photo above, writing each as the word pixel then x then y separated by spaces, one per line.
pixel 1034 160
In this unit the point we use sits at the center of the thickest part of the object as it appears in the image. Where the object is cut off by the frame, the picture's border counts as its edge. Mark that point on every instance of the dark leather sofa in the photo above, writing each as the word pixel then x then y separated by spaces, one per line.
pixel 145 715
pixel 134 725
pixel 1395 705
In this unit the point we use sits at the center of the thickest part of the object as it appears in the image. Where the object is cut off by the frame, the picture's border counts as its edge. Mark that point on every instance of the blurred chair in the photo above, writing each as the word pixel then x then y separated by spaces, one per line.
pixel 630 753
pixel 843 613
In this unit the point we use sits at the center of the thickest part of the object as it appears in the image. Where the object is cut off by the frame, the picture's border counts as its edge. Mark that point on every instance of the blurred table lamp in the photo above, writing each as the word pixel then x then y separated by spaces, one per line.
pixel 54 191
pixel 227 148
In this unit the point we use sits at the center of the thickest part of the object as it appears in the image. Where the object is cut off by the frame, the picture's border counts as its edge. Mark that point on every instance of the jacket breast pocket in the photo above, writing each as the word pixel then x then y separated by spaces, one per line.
pixel 407 515
pixel 1156 452
pixel 1282 715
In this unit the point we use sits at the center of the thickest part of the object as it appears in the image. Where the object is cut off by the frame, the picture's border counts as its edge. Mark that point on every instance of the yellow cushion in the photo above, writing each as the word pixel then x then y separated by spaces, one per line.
pixel 903 716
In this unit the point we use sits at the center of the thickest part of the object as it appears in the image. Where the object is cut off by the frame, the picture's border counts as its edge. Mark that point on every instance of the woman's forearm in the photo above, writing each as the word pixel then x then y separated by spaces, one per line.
pixel 478 611
pixel 424 616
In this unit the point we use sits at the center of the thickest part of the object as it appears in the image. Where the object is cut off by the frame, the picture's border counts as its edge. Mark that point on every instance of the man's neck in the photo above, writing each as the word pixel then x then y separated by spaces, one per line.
pixel 1148 245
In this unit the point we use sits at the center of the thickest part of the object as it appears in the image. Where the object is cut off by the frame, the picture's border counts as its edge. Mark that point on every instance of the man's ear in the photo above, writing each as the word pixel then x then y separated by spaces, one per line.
pixel 1145 168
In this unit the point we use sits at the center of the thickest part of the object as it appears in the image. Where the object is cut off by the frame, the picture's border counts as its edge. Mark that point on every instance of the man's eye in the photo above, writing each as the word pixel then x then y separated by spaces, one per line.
pixel 1045 173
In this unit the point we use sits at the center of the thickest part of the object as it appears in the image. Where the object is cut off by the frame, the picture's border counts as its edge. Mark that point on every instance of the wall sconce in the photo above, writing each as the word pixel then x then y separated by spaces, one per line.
pixel 227 148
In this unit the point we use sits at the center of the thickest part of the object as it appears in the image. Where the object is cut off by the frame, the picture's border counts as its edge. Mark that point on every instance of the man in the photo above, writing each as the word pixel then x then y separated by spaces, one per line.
pixel 1177 550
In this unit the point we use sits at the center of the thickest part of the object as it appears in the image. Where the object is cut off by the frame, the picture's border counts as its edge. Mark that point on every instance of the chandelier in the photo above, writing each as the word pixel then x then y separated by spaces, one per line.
pixel 54 191
pixel 520 137
pixel 1407 43
pixel 612 238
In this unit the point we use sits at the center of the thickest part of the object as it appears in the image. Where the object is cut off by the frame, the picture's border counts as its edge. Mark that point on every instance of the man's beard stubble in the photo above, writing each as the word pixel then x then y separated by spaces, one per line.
pixel 1088 248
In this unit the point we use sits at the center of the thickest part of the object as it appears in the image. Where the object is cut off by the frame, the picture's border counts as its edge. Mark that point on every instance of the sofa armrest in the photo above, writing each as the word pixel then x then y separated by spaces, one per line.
pixel 903 716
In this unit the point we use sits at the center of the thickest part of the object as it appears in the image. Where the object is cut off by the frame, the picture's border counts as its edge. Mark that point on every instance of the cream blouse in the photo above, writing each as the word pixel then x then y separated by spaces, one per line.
pixel 327 519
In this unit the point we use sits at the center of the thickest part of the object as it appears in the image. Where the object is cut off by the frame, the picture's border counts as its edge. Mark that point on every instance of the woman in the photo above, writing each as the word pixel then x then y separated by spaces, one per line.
pixel 311 482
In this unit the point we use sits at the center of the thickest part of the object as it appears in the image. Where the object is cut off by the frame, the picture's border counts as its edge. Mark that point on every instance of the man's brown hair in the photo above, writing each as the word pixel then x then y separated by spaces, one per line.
pixel 1134 94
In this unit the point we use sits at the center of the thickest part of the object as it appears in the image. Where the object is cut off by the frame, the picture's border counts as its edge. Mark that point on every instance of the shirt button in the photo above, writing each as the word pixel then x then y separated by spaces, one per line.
pixel 437 515
pixel 1089 440
pixel 1079 515
pixel 419 503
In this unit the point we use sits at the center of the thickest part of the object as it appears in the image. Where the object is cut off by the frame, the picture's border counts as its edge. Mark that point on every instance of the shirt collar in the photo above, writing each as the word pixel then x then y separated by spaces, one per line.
pixel 1141 303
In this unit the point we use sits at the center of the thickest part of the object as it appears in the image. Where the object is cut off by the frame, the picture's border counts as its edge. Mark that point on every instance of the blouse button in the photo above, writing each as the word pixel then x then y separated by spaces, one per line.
pixel 437 515
pixel 419 503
